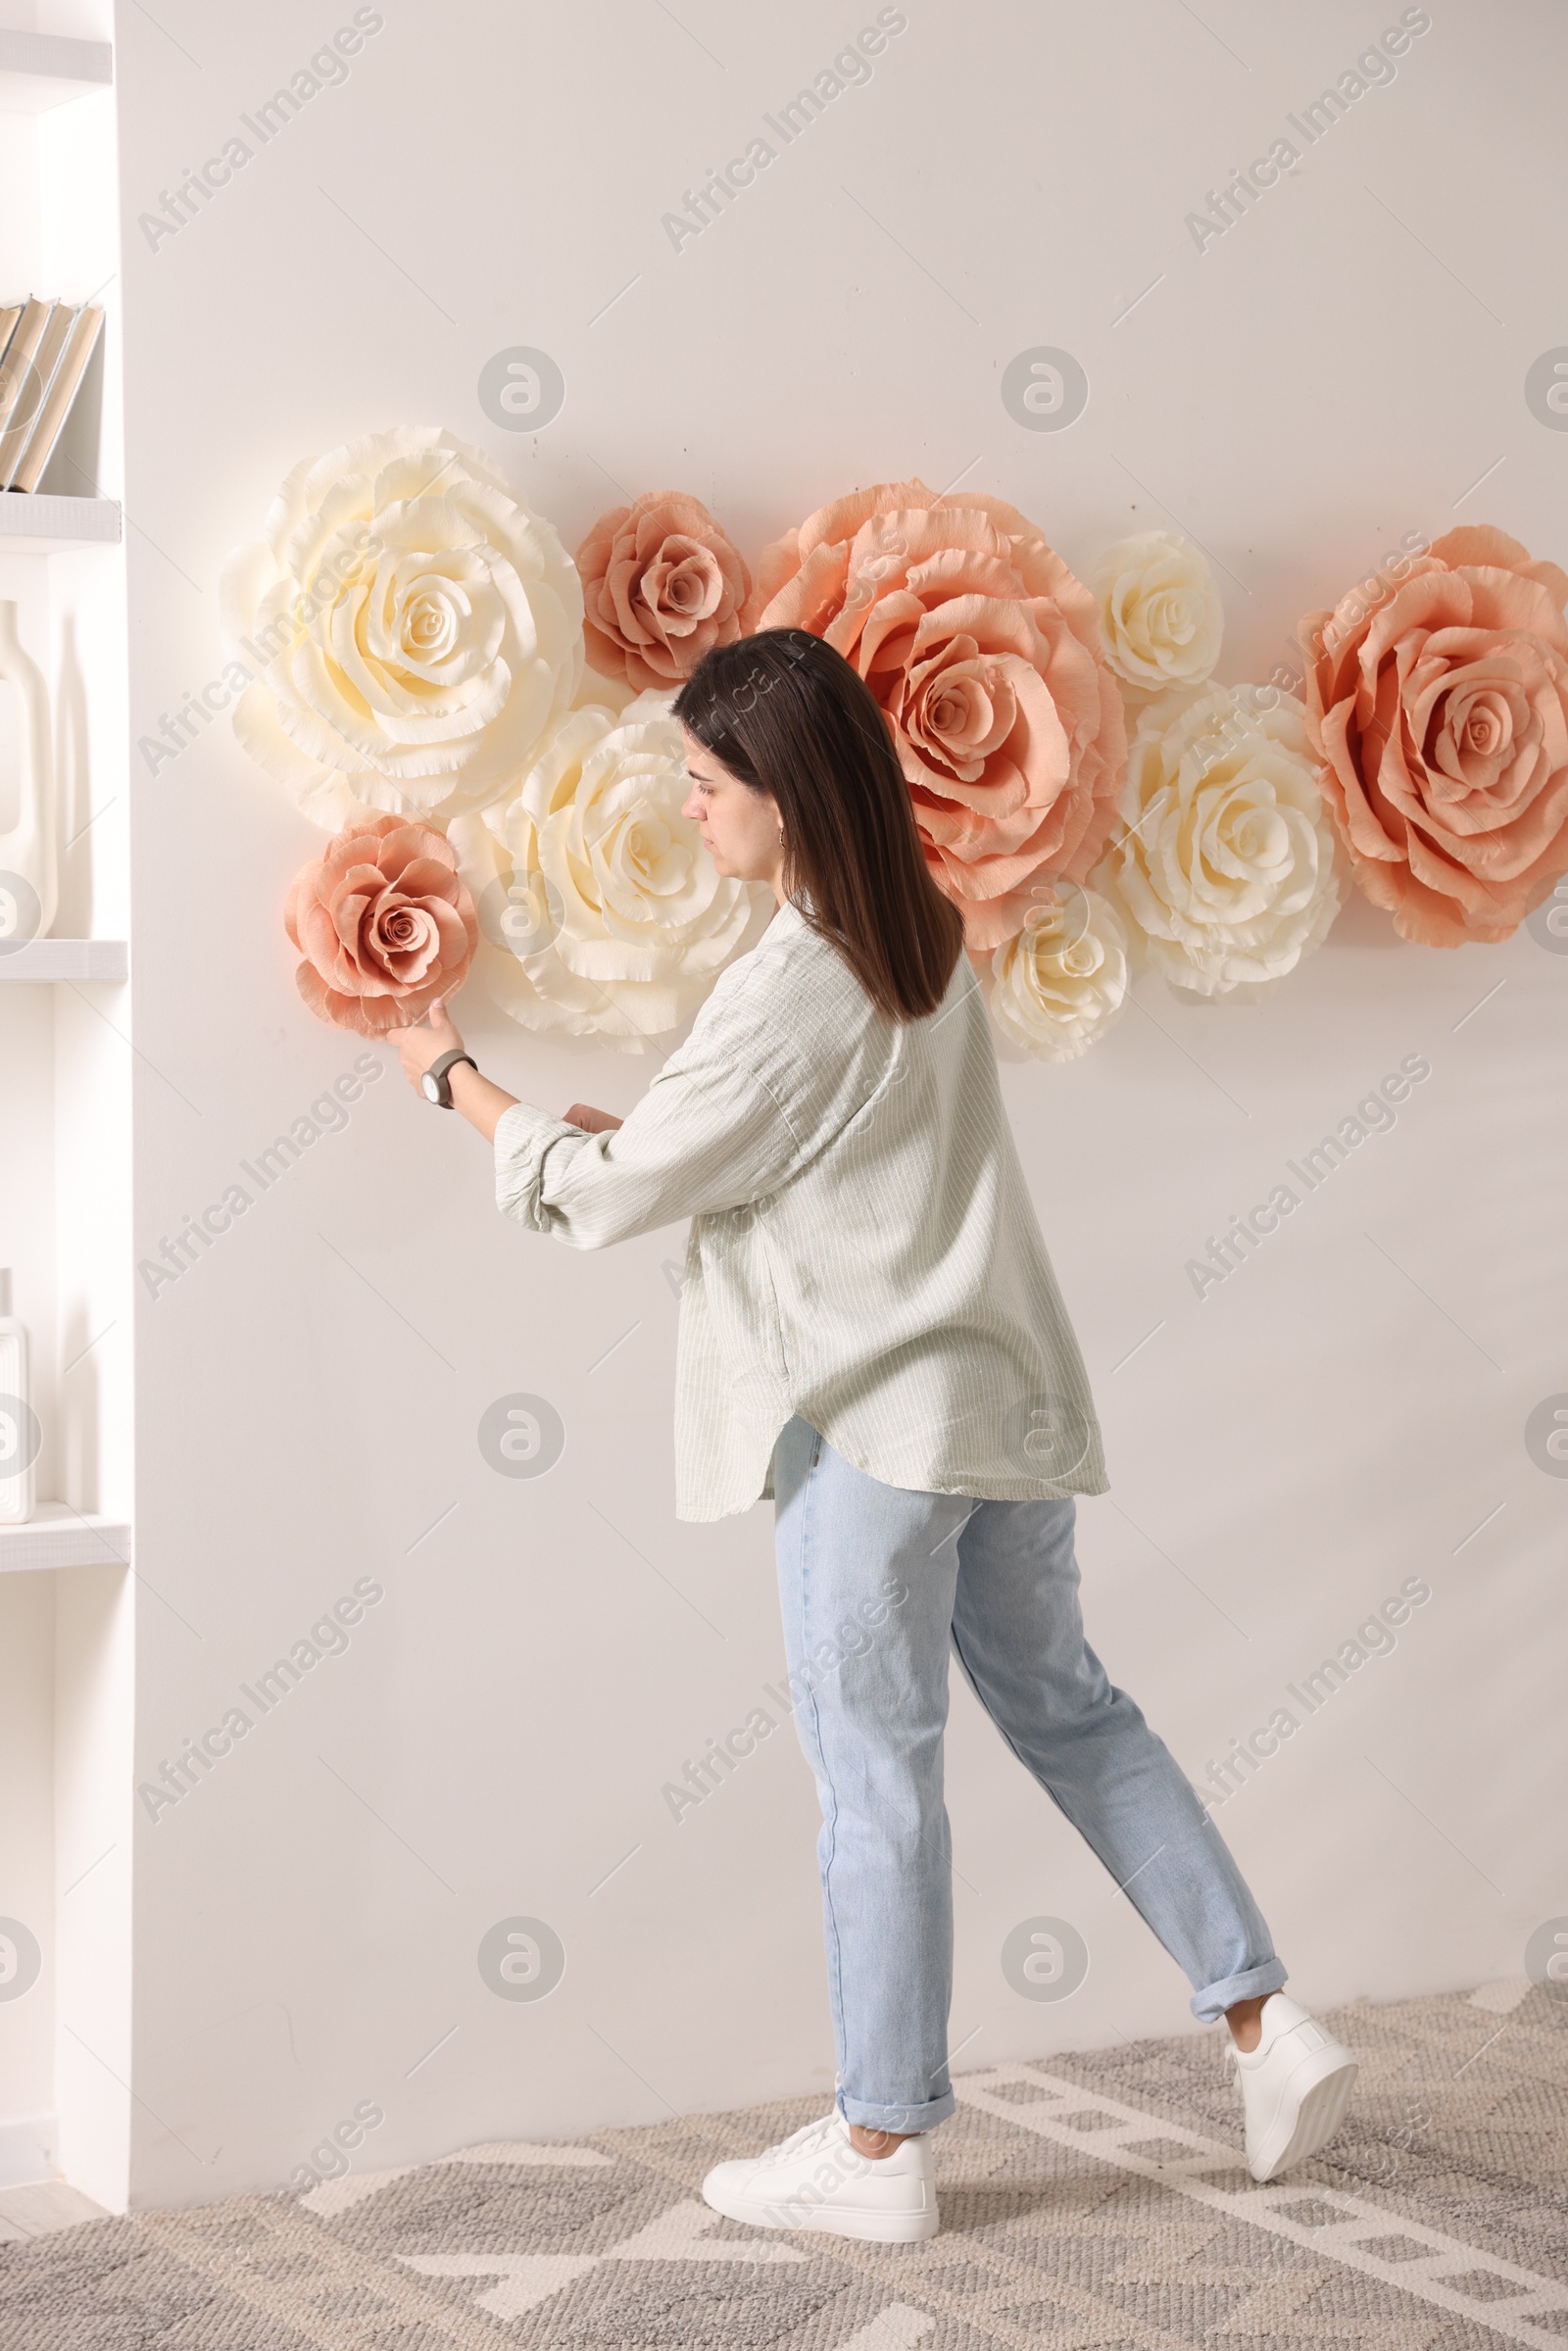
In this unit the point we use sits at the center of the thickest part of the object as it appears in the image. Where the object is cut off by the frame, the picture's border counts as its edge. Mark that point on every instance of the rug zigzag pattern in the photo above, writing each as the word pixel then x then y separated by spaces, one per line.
pixel 1090 2202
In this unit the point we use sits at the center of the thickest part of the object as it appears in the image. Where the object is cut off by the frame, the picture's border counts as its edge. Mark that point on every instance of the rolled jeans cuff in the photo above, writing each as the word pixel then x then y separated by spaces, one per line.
pixel 896 2117
pixel 1211 2002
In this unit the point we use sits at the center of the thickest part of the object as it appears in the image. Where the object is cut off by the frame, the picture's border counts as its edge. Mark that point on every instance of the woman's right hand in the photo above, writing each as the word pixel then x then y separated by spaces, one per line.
pixel 597 1122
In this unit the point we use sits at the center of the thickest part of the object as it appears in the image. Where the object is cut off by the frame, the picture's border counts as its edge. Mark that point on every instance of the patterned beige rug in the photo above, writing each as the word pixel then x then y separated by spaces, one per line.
pixel 1089 2203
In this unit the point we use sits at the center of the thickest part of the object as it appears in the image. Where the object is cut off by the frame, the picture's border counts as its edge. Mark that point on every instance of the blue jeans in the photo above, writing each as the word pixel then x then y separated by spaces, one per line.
pixel 874 1580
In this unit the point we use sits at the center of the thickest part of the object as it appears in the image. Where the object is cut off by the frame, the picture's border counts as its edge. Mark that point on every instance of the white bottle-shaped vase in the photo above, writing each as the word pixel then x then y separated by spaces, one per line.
pixel 18 1423
pixel 27 878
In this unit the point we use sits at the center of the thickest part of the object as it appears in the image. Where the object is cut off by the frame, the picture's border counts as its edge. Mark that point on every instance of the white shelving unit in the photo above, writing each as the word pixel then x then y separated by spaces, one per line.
pixel 34 959
pixel 40 71
pixel 56 1536
pixel 66 1618
pixel 32 523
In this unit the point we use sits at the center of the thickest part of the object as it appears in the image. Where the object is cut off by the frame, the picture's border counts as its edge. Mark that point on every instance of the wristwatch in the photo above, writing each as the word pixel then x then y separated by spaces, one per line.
pixel 436 1084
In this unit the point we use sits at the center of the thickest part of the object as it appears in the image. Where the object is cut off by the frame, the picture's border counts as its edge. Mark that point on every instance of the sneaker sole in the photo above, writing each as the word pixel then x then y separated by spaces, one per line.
pixel 879 2227
pixel 1318 2115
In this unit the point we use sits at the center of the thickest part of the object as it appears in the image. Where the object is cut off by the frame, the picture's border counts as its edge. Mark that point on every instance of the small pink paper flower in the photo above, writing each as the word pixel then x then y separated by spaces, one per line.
pixel 383 923
pixel 985 652
pixel 661 584
pixel 1441 718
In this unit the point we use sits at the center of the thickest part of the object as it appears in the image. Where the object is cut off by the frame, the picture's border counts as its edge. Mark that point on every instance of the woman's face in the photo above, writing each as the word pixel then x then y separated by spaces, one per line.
pixel 740 826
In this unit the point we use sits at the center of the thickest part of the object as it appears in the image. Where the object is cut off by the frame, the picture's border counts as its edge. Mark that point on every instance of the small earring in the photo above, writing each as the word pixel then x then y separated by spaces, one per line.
pixel 781 835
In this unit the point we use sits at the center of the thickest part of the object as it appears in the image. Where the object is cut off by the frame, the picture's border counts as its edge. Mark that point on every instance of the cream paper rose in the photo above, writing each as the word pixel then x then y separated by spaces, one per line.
pixel 1225 866
pixel 601 912
pixel 1160 612
pixel 411 629
pixel 1059 985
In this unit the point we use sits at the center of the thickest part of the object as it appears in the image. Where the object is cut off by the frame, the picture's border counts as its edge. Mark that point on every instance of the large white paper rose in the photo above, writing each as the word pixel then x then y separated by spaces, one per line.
pixel 412 630
pixel 1160 612
pixel 1058 985
pixel 1226 863
pixel 601 912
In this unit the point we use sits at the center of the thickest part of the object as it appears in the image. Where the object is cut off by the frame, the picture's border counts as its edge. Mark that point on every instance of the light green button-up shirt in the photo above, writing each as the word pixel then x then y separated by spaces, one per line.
pixel 863 1250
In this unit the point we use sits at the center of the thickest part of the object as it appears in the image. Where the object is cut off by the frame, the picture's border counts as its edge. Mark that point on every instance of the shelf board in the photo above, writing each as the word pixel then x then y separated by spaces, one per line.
pixel 32 525
pixel 42 69
pixel 64 960
pixel 56 1536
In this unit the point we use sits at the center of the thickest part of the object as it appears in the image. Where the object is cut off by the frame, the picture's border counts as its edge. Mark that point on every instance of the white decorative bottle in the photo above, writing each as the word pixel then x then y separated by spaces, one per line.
pixel 27 879
pixel 18 1423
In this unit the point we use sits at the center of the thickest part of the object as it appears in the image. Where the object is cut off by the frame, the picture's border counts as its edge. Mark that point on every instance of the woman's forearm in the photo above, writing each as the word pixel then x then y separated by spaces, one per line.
pixel 709 1139
pixel 481 1101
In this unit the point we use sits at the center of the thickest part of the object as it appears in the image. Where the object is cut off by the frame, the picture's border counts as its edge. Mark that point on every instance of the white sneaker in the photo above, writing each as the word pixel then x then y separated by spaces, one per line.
pixel 816 2180
pixel 1296 2085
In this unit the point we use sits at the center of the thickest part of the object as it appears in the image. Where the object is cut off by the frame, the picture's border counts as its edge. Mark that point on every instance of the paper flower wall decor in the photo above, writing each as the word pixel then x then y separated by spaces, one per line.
pixel 383 924
pixel 412 630
pixel 484 726
pixel 1225 866
pixel 1059 983
pixel 662 584
pixel 1440 717
pixel 1160 611
pixel 984 651
pixel 601 911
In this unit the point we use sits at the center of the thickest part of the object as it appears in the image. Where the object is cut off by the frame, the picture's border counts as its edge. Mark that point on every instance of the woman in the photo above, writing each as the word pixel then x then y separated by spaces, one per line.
pixel 871 1335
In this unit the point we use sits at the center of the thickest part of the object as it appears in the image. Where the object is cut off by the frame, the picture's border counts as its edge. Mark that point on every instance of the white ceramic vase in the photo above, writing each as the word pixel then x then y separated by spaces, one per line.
pixel 28 876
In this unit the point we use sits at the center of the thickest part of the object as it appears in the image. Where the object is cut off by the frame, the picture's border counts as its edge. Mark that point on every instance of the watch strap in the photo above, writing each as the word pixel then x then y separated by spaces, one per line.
pixel 441 1066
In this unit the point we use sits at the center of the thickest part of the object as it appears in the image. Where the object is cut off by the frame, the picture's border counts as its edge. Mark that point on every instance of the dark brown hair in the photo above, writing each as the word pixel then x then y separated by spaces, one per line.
pixel 784 714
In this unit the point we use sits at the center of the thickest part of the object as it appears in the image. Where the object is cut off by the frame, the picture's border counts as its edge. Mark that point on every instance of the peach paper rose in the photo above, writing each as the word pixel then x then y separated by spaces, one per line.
pixel 662 584
pixel 383 923
pixel 1441 718
pixel 985 653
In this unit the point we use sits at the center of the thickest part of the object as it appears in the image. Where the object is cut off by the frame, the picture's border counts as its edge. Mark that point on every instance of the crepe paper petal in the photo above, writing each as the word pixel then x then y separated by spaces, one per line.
pixel 1438 712
pixel 1225 869
pixel 411 630
pixel 662 585
pixel 383 923
pixel 985 654
pixel 1061 982
pixel 601 911
pixel 1160 612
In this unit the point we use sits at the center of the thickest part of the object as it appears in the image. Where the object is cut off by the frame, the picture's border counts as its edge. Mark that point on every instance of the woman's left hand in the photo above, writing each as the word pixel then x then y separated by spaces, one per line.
pixel 418 1047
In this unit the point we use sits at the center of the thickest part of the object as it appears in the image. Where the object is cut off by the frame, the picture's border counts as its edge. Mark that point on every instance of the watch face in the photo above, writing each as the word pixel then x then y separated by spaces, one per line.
pixel 433 1087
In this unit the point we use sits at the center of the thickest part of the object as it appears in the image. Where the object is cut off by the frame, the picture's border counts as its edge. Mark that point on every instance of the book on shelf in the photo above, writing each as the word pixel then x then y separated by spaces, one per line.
pixel 44 350
pixel 19 381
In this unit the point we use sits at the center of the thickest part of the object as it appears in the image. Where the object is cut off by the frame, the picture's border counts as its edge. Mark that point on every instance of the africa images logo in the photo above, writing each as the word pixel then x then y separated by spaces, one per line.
pixel 1373 69
pixel 703 205
pixel 1373 1115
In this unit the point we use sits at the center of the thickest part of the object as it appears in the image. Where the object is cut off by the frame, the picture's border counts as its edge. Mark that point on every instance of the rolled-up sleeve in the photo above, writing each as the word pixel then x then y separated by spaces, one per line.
pixel 706 1138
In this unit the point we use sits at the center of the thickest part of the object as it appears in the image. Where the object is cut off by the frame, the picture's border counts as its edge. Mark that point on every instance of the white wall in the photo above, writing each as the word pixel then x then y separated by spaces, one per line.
pixel 1337 1418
